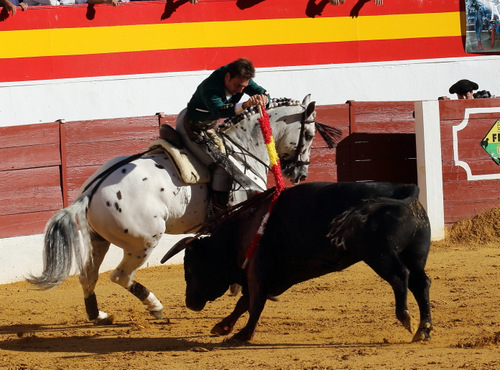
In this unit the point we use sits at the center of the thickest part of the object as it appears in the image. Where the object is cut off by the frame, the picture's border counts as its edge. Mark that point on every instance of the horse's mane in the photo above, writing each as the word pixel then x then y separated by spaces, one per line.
pixel 251 111
pixel 331 135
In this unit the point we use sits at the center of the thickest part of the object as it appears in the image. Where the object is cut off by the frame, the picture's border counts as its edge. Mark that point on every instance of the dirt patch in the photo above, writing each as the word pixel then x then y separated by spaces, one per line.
pixel 483 228
pixel 344 320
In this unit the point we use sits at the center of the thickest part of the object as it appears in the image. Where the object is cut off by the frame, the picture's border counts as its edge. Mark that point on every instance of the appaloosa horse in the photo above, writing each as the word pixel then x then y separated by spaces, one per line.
pixel 137 202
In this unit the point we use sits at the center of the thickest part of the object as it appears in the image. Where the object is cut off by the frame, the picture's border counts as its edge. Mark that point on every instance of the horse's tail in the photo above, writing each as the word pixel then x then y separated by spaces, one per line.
pixel 62 244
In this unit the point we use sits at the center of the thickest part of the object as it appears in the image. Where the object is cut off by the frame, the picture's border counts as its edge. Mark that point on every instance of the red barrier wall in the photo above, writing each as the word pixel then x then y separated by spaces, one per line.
pixel 465 195
pixel 42 166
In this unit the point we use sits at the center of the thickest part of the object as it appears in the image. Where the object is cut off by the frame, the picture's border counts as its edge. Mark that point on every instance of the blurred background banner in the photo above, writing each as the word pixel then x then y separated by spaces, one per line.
pixel 483 26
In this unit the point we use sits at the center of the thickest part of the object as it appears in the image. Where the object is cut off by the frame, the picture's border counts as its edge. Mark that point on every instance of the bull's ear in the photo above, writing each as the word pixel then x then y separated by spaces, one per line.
pixel 178 247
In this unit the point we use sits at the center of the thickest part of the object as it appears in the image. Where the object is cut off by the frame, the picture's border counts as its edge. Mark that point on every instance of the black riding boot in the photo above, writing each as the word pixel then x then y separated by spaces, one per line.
pixel 219 202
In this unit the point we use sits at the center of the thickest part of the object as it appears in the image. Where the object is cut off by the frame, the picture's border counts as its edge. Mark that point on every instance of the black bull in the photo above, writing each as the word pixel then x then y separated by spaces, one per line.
pixel 314 229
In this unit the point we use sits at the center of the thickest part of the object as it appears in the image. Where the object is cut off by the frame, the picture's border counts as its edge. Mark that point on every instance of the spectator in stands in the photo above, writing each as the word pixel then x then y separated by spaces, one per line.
pixel 10 6
pixel 110 2
pixel 340 2
pixel 464 89
pixel 48 2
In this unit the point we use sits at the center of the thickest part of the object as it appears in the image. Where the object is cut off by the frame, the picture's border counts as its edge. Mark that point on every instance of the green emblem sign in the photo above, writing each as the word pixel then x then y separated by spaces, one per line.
pixel 491 142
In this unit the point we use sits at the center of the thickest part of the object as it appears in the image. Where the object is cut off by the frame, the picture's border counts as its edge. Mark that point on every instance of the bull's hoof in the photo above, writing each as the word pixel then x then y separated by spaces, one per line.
pixel 157 314
pixel 234 289
pixel 423 333
pixel 406 321
pixel 220 329
pixel 108 320
pixel 242 336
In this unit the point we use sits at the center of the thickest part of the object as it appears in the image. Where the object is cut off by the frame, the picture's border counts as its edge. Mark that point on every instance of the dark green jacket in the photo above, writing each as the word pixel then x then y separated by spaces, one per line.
pixel 209 101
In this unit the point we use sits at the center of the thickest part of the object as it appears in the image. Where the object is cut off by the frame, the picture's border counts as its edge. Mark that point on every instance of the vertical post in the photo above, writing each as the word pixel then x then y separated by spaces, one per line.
pixel 429 164
pixel 64 162
pixel 352 117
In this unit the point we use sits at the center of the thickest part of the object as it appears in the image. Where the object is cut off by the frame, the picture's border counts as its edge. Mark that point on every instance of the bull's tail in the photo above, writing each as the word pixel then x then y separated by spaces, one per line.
pixel 353 220
pixel 62 244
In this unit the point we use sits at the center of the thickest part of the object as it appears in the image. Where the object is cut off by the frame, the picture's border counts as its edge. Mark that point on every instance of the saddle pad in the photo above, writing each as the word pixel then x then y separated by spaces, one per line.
pixel 187 166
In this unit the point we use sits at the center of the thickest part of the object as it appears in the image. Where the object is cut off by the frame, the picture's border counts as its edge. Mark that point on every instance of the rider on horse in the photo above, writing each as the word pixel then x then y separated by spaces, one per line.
pixel 218 96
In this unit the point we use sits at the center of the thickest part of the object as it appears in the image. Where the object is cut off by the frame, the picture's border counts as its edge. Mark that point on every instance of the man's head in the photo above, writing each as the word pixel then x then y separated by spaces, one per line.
pixel 464 89
pixel 238 75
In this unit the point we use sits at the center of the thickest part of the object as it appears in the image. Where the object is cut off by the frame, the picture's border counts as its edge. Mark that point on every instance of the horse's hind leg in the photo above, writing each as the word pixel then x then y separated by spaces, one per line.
pixel 88 279
pixel 123 275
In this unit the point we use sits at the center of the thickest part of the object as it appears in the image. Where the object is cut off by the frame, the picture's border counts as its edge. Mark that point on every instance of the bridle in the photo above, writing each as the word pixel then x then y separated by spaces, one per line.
pixel 294 161
pixel 286 164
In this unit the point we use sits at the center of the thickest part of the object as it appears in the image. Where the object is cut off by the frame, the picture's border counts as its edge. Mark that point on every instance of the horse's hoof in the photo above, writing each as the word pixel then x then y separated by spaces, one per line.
pixel 157 314
pixel 108 320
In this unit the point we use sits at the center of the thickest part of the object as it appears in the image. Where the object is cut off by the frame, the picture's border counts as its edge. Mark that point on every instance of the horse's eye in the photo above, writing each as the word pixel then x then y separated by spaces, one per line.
pixel 308 137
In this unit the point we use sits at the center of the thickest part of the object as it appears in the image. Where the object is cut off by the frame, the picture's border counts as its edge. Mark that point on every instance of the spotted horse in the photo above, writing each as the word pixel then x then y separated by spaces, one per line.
pixel 140 200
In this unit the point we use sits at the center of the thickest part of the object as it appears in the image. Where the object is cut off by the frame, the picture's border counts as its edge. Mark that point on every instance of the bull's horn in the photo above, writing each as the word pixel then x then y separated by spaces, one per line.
pixel 179 246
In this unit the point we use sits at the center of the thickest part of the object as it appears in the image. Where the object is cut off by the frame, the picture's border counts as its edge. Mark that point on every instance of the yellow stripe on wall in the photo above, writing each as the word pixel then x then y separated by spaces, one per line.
pixel 99 40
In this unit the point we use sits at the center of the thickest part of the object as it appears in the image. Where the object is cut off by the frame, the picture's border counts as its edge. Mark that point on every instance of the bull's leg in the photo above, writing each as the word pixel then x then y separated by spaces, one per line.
pixel 226 326
pixel 396 274
pixel 414 257
pixel 123 275
pixel 257 299
pixel 257 304
pixel 88 279
pixel 419 284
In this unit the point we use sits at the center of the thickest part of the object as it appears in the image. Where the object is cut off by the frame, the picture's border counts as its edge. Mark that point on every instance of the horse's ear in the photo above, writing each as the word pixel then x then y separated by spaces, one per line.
pixel 306 100
pixel 310 108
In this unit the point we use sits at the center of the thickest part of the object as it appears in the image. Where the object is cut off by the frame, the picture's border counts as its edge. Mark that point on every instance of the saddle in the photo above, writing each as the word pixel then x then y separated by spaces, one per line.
pixel 187 166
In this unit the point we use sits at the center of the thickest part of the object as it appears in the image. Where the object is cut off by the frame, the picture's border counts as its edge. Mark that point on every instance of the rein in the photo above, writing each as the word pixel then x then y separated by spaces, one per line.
pixel 298 150
pixel 246 152
pixel 104 175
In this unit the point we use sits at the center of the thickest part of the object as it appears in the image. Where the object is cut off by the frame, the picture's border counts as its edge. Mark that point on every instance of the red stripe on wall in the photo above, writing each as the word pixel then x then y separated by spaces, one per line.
pixel 162 61
pixel 151 12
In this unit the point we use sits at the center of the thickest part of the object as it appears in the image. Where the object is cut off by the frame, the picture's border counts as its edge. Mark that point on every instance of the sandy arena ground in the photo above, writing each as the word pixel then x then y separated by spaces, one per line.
pixel 343 320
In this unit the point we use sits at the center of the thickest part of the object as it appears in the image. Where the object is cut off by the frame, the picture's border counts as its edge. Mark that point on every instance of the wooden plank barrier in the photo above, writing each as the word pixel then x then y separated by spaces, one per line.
pixel 30 181
pixel 471 179
pixel 42 166
pixel 69 152
pixel 86 145
pixel 381 143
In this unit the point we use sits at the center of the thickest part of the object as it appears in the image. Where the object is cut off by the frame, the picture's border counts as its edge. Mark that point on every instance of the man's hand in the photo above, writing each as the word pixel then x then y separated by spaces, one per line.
pixel 340 2
pixel 256 100
pixel 11 8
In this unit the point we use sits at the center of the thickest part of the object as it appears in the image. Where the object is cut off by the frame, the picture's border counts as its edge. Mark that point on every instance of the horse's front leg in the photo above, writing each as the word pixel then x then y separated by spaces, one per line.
pixel 88 279
pixel 123 275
